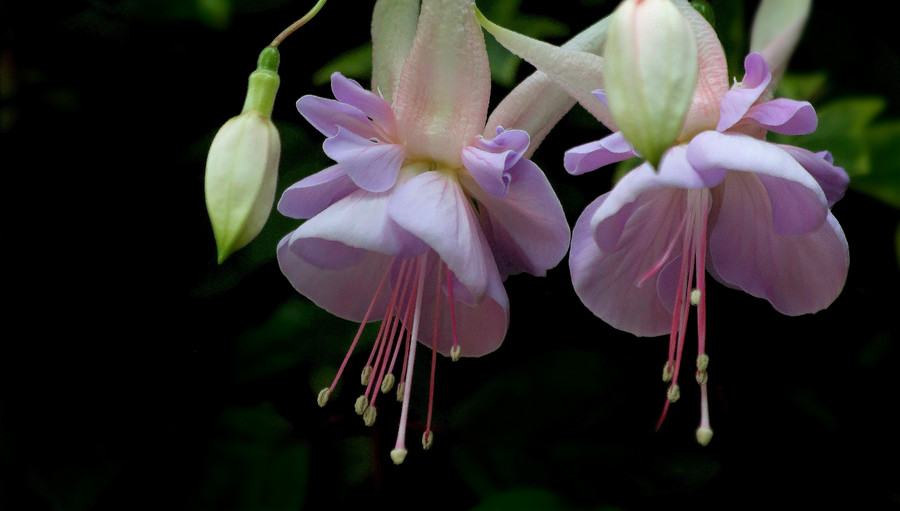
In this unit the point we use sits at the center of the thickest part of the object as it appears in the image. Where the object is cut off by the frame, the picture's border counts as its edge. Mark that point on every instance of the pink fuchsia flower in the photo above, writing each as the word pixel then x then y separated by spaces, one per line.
pixel 756 215
pixel 426 210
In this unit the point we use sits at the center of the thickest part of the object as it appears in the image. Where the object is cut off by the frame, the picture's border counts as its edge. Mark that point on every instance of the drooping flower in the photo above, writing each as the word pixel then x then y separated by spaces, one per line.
pixel 427 210
pixel 756 215
pixel 242 166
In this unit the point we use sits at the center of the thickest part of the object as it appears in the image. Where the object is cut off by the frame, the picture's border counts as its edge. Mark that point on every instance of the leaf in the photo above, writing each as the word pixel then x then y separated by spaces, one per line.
pixel 882 180
pixel 355 63
pixel 802 87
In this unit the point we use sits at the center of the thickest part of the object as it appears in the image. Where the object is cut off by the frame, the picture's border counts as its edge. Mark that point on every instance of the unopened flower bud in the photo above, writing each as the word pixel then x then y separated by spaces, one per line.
pixel 242 165
pixel 650 68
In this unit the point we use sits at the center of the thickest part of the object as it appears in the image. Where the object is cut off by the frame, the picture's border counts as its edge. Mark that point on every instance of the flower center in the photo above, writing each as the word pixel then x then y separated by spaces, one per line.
pixel 401 322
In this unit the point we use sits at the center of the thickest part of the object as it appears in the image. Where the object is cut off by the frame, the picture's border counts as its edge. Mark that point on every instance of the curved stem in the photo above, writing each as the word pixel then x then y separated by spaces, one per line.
pixel 297 24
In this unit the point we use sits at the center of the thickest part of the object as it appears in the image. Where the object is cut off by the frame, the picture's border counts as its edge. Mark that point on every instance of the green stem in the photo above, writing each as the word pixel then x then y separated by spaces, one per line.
pixel 297 24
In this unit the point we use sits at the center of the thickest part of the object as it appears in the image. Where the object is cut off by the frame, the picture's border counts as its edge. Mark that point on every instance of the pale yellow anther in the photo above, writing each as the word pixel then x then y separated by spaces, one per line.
pixel 387 383
pixel 702 377
pixel 369 416
pixel 361 404
pixel 400 387
pixel 398 455
pixel 695 297
pixel 702 362
pixel 667 372
pixel 454 353
pixel 323 396
pixel 366 374
pixel 704 435
pixel 673 393
pixel 427 440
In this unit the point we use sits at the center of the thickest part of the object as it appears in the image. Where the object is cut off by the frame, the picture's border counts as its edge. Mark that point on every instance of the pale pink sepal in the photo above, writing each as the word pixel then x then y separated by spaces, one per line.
pixel 777 27
pixel 577 72
pixel 393 30
pixel 442 98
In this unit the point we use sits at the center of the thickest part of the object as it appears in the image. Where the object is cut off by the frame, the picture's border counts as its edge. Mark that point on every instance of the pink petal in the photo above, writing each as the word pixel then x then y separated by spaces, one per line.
pixel 674 172
pixel 371 165
pixel 309 196
pixel 433 207
pixel 739 99
pixel 797 203
pixel 593 155
pixel 785 116
pixel 480 327
pixel 796 274
pixel 489 160
pixel 359 220
pixel 345 292
pixel 613 282
pixel 527 231
pixel 350 92
pixel 832 179
pixel 327 115
pixel 443 93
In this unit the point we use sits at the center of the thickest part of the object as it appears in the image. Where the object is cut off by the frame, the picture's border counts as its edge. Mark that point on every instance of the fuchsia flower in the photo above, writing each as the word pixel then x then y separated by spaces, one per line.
pixel 756 215
pixel 426 211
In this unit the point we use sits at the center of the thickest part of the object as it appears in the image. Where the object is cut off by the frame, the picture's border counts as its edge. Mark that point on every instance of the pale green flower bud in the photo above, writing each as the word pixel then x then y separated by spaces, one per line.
pixel 650 70
pixel 242 166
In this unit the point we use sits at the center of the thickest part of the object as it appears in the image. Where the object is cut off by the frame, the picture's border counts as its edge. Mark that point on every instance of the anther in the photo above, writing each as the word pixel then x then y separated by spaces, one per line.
pixel 398 455
pixel 427 439
pixel 702 377
pixel 704 435
pixel 702 362
pixel 366 374
pixel 400 388
pixel 454 353
pixel 673 393
pixel 324 394
pixel 667 372
pixel 369 416
pixel 361 404
pixel 387 383
pixel 695 297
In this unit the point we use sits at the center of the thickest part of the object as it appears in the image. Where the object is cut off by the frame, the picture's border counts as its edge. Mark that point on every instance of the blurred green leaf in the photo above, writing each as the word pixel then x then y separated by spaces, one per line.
pixel 524 499
pixel 297 332
pixel 355 63
pixel 802 87
pixel 882 179
pixel 253 464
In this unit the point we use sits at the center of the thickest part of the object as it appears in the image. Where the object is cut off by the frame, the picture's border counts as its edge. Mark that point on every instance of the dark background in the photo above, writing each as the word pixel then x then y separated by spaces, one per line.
pixel 135 373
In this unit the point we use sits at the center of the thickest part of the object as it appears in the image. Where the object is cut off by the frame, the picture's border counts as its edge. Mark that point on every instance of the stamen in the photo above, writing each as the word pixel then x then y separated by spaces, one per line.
pixel 381 360
pixel 358 332
pixel 400 391
pixel 454 349
pixel 437 308
pixel 704 432
pixel 399 452
pixel 665 257
pixel 369 416
pixel 427 439
pixel 667 371
pixel 322 398
pixel 702 377
pixel 704 436
pixel 361 404
pixel 366 374
pixel 695 296
pixel 702 362
pixel 387 383
pixel 673 393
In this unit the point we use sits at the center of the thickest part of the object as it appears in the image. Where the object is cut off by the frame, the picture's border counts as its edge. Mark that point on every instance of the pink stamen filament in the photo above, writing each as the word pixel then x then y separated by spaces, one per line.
pixel 455 345
pixel 665 257
pixel 360 330
pixel 386 319
pixel 434 339
pixel 405 284
pixel 413 341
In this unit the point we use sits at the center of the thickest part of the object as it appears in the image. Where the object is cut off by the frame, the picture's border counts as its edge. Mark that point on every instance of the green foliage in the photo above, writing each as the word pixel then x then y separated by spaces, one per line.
pixel 355 63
